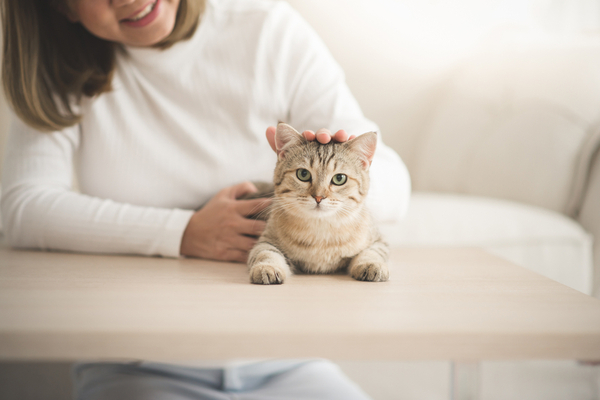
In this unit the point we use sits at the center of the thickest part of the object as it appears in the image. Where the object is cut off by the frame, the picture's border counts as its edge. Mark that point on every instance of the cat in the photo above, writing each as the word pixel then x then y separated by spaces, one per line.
pixel 318 222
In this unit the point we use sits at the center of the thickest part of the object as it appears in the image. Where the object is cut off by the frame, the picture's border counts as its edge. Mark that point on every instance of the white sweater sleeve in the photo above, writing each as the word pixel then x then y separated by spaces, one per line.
pixel 40 210
pixel 314 85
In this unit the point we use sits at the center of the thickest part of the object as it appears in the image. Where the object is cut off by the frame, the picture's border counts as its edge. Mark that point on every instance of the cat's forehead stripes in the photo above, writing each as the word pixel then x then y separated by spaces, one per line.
pixel 325 156
pixel 327 153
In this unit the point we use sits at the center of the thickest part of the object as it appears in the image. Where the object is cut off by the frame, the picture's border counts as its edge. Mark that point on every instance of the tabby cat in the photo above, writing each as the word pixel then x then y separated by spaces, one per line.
pixel 318 221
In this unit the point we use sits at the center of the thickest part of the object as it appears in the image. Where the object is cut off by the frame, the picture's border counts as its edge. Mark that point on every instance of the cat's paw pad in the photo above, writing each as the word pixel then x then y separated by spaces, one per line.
pixel 370 272
pixel 265 274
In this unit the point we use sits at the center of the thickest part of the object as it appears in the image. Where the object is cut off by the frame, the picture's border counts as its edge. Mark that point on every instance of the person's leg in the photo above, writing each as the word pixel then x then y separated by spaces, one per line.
pixel 146 381
pixel 268 380
pixel 293 380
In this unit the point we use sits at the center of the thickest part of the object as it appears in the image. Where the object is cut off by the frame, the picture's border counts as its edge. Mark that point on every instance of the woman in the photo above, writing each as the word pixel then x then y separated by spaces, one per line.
pixel 158 108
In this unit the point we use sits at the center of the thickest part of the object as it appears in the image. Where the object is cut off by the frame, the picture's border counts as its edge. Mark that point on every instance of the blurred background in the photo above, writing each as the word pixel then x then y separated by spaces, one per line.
pixel 402 51
pixel 418 41
pixel 494 105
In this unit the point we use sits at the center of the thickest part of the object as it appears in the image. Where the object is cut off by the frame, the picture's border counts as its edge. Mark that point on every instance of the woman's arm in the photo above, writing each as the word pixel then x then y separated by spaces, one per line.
pixel 40 209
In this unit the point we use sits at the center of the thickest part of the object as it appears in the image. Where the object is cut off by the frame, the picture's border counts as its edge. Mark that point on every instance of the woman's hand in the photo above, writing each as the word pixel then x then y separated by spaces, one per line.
pixel 323 136
pixel 220 229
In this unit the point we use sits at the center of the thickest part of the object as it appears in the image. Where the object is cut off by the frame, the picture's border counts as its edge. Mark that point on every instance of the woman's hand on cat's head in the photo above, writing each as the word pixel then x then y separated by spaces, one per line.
pixel 323 136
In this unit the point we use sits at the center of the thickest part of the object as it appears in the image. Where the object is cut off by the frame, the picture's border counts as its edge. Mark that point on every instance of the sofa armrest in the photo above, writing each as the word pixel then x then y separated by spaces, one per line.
pixel 589 215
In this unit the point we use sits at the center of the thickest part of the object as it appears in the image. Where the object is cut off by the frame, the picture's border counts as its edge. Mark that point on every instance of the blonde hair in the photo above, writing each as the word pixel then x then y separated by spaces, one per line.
pixel 49 63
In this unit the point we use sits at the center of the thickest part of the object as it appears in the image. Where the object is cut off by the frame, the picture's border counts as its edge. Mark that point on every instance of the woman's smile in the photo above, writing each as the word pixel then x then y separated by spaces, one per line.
pixel 144 16
pixel 130 22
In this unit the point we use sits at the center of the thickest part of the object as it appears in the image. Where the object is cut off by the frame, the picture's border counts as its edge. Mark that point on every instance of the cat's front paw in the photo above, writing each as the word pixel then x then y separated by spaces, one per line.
pixel 370 272
pixel 266 274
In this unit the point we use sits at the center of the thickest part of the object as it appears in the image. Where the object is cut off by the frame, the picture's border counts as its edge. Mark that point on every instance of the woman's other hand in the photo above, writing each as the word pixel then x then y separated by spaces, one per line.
pixel 323 136
pixel 220 229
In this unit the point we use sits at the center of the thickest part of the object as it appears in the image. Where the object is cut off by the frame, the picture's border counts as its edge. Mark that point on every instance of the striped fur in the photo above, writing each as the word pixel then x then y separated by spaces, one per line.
pixel 317 226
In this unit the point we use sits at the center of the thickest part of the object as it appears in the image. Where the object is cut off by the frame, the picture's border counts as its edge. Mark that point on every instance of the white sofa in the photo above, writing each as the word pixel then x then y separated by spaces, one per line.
pixel 501 135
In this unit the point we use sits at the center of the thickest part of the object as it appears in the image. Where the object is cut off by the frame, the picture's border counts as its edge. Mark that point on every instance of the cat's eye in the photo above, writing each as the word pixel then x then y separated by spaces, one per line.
pixel 303 175
pixel 339 179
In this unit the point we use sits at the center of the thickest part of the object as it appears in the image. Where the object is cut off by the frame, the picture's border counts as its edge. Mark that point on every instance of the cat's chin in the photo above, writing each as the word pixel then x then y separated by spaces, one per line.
pixel 320 212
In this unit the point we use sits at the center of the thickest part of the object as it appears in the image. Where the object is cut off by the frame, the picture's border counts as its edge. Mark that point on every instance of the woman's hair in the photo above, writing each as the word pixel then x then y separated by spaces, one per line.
pixel 49 63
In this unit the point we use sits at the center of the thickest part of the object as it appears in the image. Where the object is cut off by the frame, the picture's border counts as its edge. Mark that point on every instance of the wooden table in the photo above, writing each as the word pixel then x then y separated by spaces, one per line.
pixel 460 304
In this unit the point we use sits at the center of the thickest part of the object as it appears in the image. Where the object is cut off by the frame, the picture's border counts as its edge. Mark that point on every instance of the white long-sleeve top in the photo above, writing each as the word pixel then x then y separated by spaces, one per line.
pixel 179 125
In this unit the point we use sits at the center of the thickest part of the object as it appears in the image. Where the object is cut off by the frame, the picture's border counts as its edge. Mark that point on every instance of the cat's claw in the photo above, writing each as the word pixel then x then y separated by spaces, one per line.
pixel 371 272
pixel 266 275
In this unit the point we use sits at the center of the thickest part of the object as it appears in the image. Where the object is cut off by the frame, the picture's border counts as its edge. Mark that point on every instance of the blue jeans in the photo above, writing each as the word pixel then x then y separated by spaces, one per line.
pixel 266 380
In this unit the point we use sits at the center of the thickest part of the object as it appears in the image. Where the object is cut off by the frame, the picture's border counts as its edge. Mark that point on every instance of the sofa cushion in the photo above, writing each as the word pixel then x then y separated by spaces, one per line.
pixel 515 123
pixel 543 241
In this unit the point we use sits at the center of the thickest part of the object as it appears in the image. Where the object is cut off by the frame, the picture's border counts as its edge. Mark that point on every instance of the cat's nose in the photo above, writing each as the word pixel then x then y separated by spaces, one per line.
pixel 318 199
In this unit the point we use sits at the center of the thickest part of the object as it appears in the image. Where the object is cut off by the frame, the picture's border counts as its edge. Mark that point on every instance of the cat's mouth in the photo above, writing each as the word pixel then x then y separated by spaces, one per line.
pixel 310 208
pixel 320 205
pixel 321 210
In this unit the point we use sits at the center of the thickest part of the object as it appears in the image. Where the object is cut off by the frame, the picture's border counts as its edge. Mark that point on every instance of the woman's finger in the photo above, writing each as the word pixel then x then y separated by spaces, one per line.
pixel 340 136
pixel 271 137
pixel 309 135
pixel 251 207
pixel 241 189
pixel 323 136
pixel 252 227
pixel 245 243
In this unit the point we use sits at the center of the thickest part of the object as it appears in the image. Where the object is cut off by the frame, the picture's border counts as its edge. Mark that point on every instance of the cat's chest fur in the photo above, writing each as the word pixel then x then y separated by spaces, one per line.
pixel 320 246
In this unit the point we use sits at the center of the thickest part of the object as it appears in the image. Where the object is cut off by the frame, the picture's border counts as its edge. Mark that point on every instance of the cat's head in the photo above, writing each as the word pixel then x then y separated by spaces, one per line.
pixel 314 180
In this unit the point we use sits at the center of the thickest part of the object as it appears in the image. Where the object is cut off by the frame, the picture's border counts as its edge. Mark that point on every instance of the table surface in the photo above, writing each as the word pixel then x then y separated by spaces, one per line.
pixel 461 304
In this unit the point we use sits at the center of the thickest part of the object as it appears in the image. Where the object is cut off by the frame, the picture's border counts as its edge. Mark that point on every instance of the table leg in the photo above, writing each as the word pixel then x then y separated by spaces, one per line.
pixel 464 382
pixel 596 376
pixel 597 382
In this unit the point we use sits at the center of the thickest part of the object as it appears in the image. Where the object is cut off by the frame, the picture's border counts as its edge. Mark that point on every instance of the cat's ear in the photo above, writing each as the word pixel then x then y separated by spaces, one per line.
pixel 285 136
pixel 364 145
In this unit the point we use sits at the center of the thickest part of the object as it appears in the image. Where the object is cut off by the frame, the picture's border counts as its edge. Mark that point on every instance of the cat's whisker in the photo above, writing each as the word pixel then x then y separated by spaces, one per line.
pixel 255 213
pixel 281 204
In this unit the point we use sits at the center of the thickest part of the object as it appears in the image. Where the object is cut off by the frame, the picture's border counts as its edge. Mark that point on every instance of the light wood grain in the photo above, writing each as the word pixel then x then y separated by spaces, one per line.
pixel 460 304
